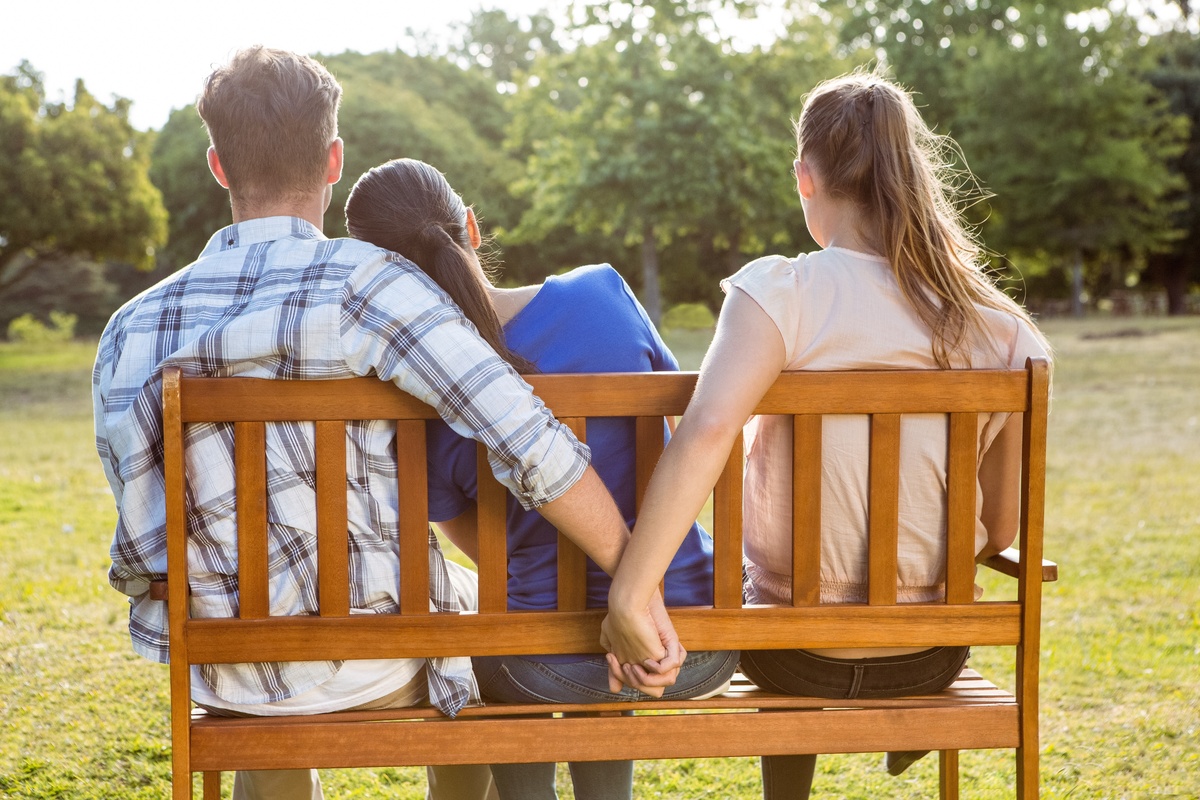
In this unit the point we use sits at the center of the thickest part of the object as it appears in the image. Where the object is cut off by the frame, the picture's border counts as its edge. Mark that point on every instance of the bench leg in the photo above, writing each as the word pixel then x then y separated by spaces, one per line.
pixel 1027 773
pixel 948 774
pixel 212 786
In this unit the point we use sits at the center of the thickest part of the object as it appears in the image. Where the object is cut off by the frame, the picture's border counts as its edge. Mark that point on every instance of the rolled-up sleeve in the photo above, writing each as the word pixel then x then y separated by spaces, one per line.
pixel 398 325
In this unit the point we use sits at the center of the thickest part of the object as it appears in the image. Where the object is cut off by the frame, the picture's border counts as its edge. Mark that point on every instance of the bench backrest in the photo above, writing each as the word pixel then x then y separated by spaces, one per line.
pixel 249 404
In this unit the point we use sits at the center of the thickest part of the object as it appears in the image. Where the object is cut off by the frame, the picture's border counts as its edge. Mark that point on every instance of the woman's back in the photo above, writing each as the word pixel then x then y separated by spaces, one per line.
pixel 837 309
pixel 584 321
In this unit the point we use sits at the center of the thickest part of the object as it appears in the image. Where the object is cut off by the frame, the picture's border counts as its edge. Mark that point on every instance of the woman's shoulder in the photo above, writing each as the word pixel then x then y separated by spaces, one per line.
pixel 770 275
pixel 588 277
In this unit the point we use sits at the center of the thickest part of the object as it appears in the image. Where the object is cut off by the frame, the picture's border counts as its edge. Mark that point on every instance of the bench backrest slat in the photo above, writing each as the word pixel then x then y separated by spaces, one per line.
pixel 727 531
pixel 572 563
pixel 806 516
pixel 250 468
pixel 491 504
pixel 883 516
pixel 961 471
pixel 333 567
pixel 413 521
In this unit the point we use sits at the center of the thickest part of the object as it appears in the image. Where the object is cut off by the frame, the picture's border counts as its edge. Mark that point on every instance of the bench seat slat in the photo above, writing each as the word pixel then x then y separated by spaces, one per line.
pixel 511 740
pixel 969 689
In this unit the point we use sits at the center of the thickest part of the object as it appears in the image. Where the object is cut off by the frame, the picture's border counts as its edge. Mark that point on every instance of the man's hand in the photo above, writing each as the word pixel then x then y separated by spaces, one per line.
pixel 644 651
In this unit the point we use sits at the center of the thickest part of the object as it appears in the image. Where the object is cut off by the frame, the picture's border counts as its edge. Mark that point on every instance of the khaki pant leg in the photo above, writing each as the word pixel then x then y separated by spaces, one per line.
pixel 277 784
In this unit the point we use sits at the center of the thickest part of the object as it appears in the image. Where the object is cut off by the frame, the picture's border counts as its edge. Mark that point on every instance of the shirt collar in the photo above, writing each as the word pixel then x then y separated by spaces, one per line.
pixel 264 229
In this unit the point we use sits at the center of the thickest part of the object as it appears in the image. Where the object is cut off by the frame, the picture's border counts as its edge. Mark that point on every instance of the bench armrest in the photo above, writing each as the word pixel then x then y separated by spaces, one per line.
pixel 1009 563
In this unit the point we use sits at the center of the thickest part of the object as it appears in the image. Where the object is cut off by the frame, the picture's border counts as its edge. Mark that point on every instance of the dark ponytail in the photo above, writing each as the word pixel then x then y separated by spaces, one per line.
pixel 408 207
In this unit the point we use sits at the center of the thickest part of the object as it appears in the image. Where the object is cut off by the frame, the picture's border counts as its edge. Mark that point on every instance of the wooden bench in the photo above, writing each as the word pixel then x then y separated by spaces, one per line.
pixel 972 714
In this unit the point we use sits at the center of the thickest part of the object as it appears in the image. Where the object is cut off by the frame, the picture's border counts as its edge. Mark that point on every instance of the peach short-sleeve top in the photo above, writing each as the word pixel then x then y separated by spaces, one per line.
pixel 837 309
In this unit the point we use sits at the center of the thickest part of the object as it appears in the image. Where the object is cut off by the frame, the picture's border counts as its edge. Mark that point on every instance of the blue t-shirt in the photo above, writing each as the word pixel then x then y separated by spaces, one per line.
pixel 585 321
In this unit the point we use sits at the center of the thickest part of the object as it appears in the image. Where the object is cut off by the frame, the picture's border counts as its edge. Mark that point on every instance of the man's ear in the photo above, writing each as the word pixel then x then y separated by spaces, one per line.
pixel 336 155
pixel 805 183
pixel 473 229
pixel 214 165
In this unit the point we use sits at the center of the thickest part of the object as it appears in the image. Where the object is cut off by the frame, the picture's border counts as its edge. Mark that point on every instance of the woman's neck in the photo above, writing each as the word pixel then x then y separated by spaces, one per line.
pixel 840 224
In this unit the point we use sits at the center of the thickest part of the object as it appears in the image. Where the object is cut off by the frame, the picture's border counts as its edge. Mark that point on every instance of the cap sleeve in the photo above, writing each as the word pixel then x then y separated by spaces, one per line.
pixel 771 282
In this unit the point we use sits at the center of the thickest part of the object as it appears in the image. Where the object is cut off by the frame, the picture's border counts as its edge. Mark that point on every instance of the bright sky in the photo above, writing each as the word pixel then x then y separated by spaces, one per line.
pixel 158 52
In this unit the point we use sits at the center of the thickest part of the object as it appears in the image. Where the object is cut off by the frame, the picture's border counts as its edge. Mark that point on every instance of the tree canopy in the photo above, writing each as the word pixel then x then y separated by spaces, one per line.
pixel 73 180
pixel 643 133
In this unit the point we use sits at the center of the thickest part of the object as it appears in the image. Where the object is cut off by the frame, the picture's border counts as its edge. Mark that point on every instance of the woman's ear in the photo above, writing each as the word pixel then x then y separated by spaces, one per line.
pixel 805 184
pixel 473 229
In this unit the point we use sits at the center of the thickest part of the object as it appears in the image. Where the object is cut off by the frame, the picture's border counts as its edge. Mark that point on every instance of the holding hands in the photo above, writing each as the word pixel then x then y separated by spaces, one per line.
pixel 644 651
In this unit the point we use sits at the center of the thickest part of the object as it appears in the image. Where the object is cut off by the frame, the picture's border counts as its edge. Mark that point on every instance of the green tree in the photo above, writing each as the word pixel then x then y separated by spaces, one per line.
pixel 425 107
pixel 1075 145
pixel 1176 74
pixel 1057 121
pixel 73 180
pixel 639 133
pixel 197 205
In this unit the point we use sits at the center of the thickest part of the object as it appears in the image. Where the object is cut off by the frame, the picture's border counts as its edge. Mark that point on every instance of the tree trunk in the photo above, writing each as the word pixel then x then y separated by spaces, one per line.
pixel 733 259
pixel 651 295
pixel 1173 276
pixel 1077 285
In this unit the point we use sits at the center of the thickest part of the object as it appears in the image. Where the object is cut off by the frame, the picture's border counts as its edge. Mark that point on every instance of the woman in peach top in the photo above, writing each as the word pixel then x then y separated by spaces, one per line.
pixel 897 284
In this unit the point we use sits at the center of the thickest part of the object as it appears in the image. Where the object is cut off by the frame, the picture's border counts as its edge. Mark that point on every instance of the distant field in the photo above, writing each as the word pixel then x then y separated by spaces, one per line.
pixel 82 717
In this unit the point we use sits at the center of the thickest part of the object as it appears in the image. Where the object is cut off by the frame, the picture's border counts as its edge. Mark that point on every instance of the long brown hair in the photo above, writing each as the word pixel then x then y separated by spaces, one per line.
pixel 865 139
pixel 408 207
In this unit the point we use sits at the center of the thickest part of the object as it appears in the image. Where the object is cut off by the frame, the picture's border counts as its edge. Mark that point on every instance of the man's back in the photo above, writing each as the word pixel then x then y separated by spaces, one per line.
pixel 273 298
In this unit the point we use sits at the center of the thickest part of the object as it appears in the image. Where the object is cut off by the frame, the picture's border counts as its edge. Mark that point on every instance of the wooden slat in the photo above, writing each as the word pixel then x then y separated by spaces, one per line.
pixel 961 478
pixel 629 395
pixel 727 531
pixel 895 392
pixel 649 436
pixel 806 510
pixel 528 633
pixel 1029 581
pixel 333 571
pixel 414 517
pixel 491 503
pixel 572 563
pixel 969 689
pixel 177 589
pixel 1008 562
pixel 884 514
pixel 250 466
pixel 239 745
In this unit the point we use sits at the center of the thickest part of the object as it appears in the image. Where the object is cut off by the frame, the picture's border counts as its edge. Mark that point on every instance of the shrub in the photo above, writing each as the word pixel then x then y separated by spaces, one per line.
pixel 28 328
pixel 689 317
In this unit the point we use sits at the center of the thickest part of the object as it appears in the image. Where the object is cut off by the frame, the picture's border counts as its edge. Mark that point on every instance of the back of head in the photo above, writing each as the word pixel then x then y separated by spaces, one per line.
pixel 408 207
pixel 271 116
pixel 862 134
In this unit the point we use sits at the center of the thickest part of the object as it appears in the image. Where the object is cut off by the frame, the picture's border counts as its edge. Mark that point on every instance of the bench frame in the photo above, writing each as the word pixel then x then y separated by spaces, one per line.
pixel 972 714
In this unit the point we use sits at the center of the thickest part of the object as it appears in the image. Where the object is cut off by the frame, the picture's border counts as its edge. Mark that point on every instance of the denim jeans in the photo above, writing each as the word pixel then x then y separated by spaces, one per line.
pixel 800 672
pixel 514 679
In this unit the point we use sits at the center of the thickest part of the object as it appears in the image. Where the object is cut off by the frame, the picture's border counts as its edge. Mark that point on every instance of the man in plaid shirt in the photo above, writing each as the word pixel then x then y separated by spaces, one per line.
pixel 271 297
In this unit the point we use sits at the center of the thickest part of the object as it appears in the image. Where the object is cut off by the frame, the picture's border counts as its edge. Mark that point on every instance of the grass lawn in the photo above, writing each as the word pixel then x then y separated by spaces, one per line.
pixel 85 718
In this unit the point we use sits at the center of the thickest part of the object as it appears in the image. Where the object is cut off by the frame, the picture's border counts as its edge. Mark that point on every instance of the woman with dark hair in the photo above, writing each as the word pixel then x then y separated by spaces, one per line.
pixel 584 321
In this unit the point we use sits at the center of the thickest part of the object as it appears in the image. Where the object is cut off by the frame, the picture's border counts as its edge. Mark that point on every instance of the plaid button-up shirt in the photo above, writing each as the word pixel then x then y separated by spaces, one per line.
pixel 273 298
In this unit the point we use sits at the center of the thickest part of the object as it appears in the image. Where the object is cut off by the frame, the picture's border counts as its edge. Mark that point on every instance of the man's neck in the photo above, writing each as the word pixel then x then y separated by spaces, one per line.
pixel 311 209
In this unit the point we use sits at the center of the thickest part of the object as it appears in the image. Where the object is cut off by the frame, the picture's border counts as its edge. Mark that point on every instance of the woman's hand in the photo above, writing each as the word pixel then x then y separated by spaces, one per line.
pixel 644 651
